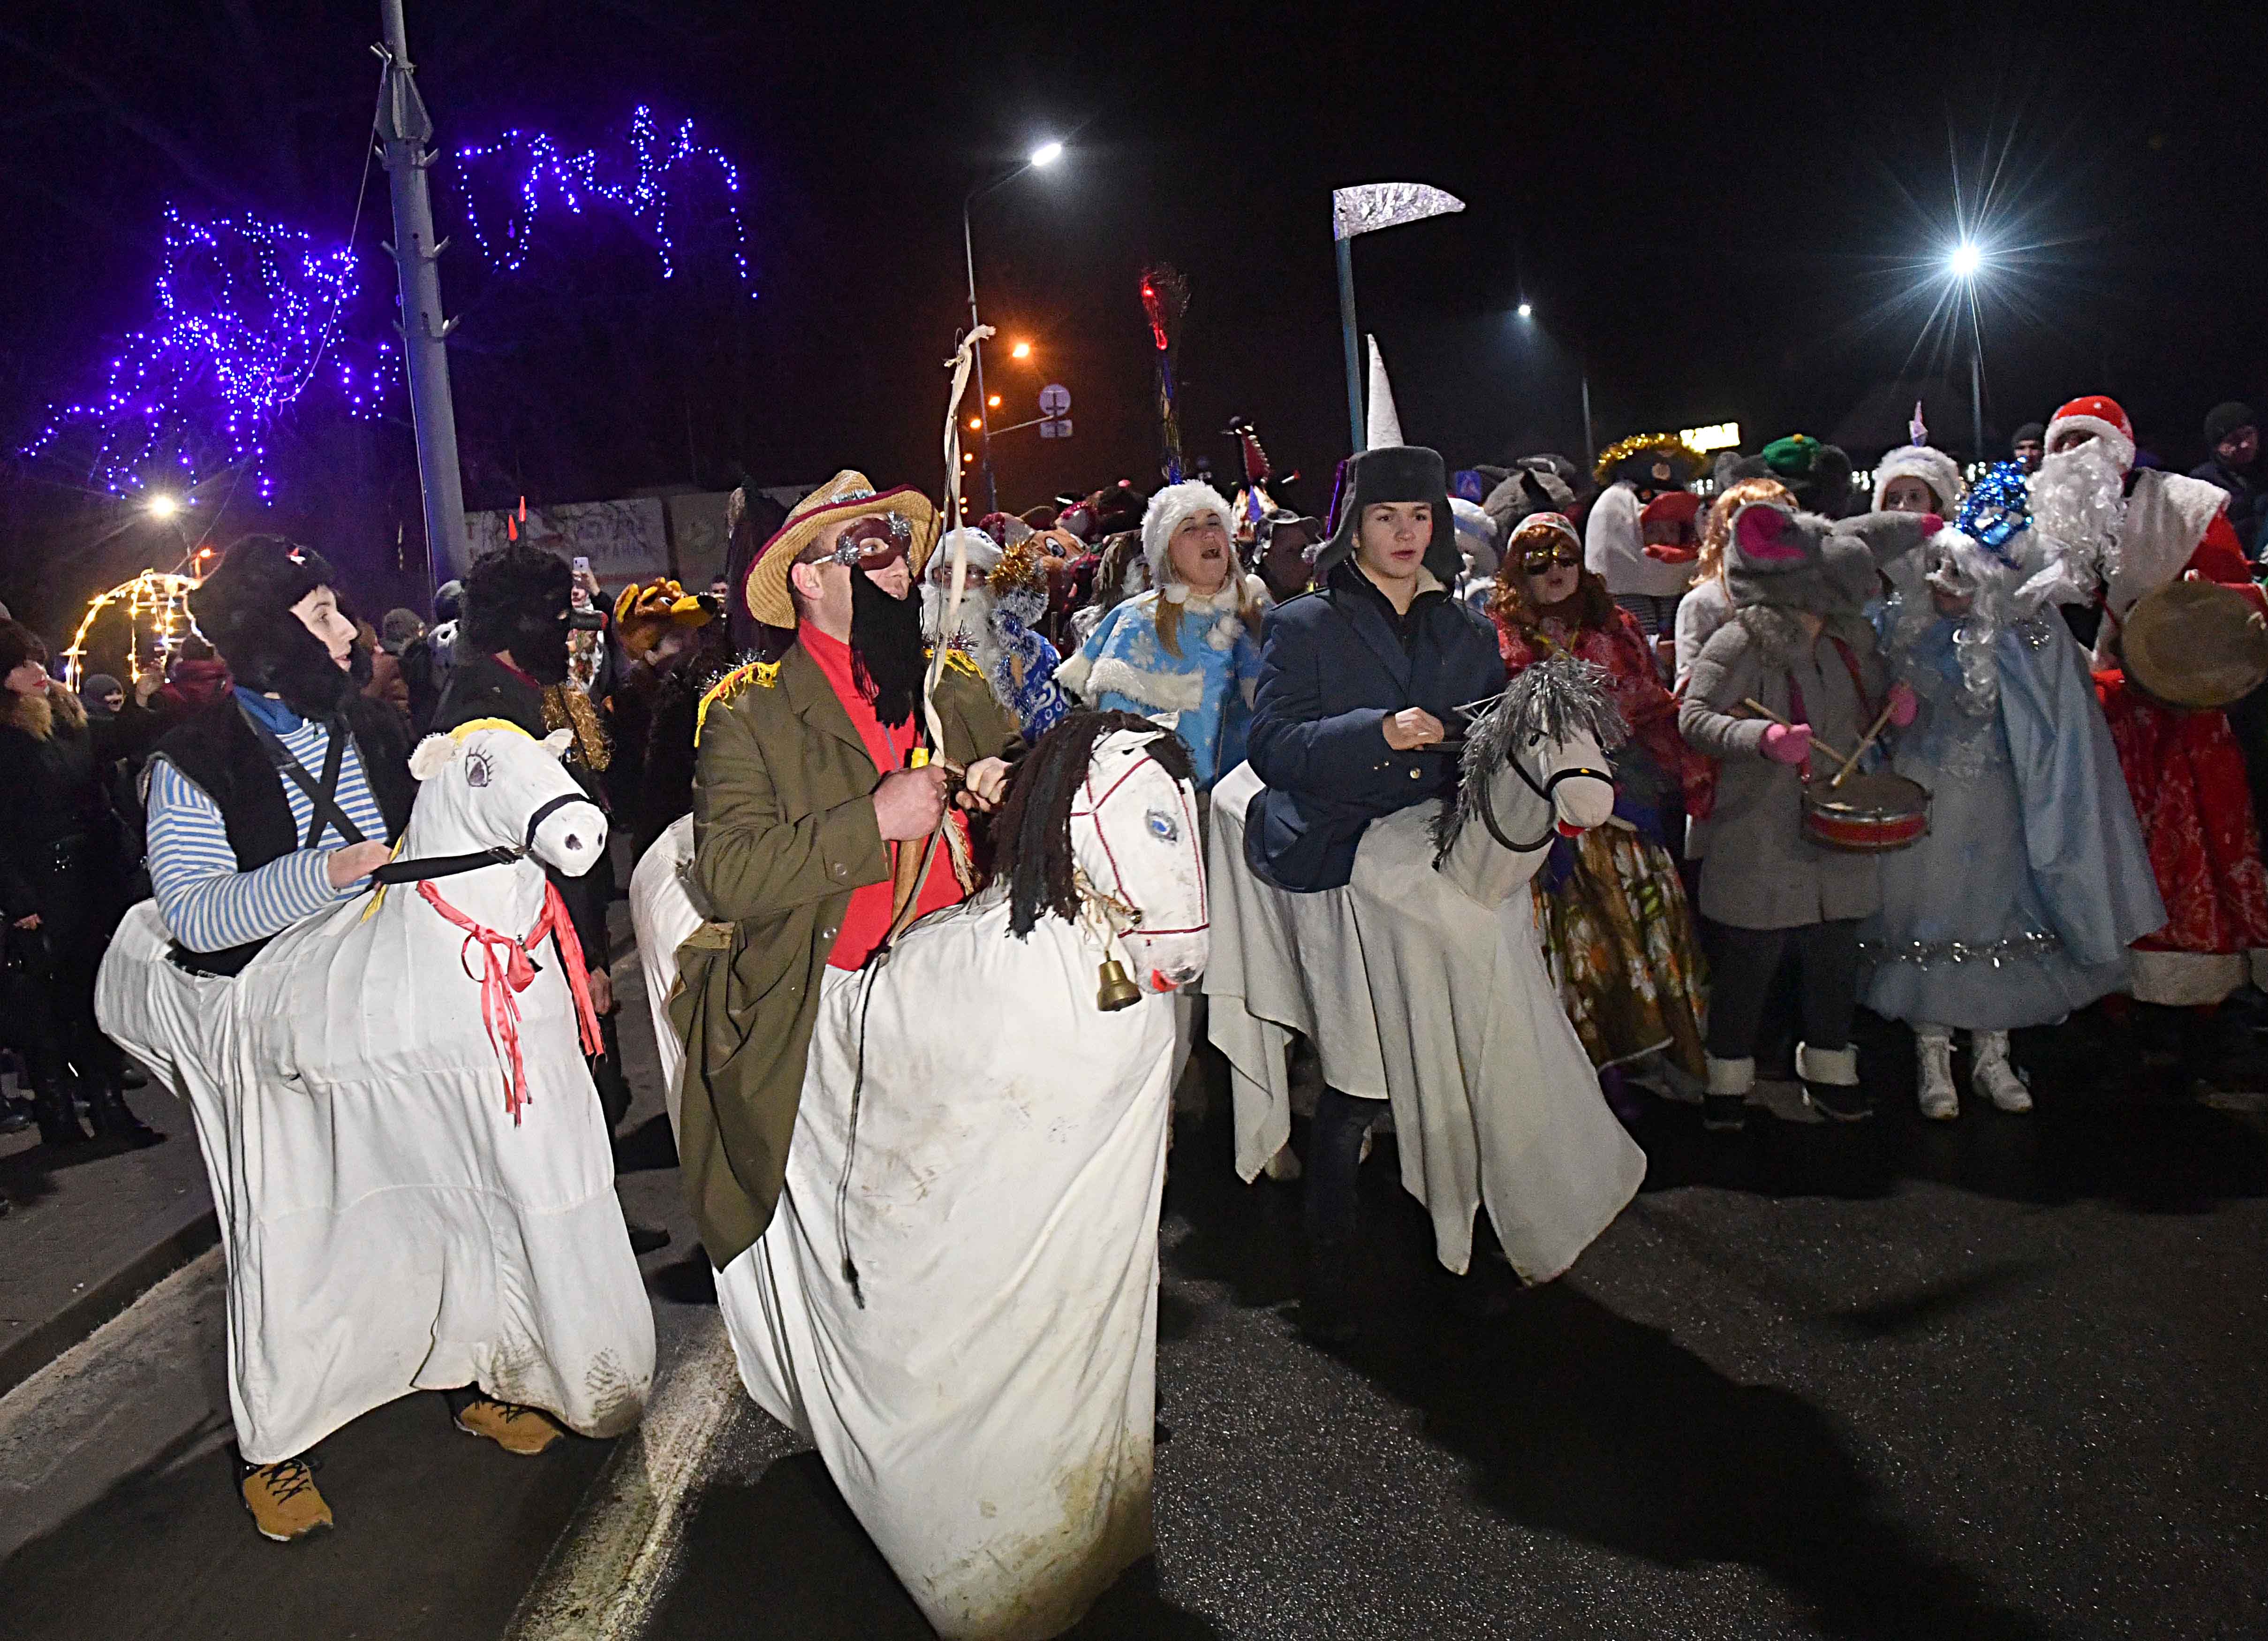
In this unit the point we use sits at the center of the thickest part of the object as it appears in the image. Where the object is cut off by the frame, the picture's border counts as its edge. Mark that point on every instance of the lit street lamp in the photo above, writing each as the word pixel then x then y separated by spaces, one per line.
pixel 1041 158
pixel 162 505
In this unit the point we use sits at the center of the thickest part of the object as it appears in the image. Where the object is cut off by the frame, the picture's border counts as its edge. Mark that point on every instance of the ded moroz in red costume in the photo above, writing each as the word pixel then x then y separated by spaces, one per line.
pixel 2145 529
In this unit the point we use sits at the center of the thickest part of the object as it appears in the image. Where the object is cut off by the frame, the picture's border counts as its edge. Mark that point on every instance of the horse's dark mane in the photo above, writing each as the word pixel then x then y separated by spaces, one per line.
pixel 1031 838
pixel 1551 701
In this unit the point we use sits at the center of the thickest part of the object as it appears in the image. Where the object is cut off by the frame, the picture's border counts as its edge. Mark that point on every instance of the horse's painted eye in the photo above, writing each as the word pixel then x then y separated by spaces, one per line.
pixel 1163 826
pixel 476 769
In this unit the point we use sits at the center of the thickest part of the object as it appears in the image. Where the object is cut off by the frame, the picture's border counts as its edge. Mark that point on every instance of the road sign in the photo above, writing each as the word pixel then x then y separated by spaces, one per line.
pixel 1055 399
pixel 1056 427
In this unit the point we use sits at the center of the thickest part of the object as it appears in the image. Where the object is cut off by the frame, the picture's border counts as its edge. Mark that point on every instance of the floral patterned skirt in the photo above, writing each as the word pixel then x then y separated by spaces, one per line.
pixel 1619 939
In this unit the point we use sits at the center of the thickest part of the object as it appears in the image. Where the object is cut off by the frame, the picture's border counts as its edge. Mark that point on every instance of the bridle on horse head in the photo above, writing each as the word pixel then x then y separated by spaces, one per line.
pixel 416 868
pixel 1110 907
pixel 1546 789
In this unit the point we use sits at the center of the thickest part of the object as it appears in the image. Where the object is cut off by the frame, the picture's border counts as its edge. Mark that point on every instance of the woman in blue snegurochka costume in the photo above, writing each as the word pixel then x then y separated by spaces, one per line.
pixel 1186 654
pixel 2018 904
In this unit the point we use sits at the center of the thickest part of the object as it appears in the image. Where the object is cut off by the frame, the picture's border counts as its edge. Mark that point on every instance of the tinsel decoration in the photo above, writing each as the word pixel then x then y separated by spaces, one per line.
pixel 2032 946
pixel 1165 299
pixel 1997 510
pixel 1669 445
pixel 1553 701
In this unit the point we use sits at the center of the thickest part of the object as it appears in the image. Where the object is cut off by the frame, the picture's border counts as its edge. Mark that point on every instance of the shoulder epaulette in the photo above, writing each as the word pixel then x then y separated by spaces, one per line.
pixel 728 688
pixel 959 661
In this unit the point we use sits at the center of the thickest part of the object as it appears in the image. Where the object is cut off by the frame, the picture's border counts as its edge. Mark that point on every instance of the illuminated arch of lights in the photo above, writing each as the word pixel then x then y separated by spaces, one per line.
pixel 156 605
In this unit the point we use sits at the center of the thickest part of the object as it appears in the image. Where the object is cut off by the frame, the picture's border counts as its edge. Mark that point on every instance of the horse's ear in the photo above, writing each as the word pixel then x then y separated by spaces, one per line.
pixel 433 756
pixel 557 743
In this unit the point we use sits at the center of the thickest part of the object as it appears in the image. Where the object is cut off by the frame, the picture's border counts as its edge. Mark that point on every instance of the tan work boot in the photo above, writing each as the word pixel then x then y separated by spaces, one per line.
pixel 284 1500
pixel 515 1429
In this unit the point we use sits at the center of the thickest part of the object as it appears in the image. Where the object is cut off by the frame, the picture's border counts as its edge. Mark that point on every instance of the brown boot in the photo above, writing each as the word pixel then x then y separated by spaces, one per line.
pixel 515 1429
pixel 283 1501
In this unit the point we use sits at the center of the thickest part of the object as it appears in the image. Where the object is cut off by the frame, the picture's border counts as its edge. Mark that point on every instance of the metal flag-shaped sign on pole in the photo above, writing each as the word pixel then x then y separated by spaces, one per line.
pixel 1364 210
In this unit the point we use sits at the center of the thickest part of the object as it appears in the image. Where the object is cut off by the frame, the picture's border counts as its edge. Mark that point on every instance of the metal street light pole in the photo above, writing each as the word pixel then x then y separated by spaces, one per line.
pixel 1045 155
pixel 984 438
pixel 403 128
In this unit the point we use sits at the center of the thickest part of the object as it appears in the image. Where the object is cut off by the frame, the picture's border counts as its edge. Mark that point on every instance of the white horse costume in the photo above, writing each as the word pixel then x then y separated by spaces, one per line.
pixel 984 1148
pixel 1423 986
pixel 414 1181
pixel 663 918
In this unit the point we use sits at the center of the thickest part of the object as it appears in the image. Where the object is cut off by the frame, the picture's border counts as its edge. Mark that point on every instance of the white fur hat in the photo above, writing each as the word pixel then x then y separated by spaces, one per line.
pixel 1933 467
pixel 984 553
pixel 1167 510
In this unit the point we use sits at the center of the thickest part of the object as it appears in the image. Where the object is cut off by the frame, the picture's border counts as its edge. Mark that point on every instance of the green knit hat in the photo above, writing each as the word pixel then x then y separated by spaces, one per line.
pixel 1793 457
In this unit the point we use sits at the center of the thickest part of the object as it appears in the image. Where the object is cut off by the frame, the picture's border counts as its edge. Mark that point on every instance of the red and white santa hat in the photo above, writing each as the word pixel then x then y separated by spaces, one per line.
pixel 2101 416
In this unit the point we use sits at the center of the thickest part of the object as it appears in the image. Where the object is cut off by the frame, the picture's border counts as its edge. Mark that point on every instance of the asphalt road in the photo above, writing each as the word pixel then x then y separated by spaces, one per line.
pixel 2002 1378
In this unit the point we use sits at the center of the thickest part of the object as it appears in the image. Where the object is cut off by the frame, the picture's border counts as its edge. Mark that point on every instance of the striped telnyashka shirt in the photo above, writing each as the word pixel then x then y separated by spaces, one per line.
pixel 208 905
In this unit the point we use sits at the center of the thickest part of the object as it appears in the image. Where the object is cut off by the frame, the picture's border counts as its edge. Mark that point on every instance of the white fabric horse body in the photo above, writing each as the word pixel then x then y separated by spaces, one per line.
pixel 1426 988
pixel 389 1225
pixel 987 1147
pixel 662 919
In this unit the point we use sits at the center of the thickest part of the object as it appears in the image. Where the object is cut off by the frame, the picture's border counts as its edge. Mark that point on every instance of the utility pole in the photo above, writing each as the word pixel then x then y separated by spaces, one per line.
pixel 403 129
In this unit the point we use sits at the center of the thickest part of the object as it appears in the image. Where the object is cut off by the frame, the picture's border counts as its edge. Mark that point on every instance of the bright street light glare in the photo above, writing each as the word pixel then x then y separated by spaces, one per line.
pixel 1525 312
pixel 1965 259
pixel 1022 350
pixel 994 402
pixel 1046 154
pixel 163 506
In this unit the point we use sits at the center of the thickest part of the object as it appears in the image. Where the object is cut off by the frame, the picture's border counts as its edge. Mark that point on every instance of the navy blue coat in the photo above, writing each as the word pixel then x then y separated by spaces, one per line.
pixel 1332 670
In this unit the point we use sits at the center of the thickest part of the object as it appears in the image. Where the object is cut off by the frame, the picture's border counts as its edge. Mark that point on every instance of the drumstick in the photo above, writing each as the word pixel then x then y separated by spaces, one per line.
pixel 1763 711
pixel 1852 762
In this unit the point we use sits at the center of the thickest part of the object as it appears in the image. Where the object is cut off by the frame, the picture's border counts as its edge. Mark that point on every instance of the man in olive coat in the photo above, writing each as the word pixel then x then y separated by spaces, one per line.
pixel 804 795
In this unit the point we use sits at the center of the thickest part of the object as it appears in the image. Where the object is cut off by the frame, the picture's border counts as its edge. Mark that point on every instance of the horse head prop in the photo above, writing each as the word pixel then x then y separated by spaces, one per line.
pixel 488 788
pixel 1534 766
pixel 1101 829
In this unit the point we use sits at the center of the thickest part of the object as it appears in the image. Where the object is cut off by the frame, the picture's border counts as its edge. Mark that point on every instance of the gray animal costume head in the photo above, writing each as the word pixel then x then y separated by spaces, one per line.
pixel 1396 473
pixel 1785 560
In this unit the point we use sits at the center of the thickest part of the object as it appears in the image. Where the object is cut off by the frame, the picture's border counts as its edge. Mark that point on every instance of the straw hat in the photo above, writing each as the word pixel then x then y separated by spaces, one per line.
pixel 850 494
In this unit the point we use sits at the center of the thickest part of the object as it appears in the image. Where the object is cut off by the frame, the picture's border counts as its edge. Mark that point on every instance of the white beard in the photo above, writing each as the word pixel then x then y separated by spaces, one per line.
pixel 2079 498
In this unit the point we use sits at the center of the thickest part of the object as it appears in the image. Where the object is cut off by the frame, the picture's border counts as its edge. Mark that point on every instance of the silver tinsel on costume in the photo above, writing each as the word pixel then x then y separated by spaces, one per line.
pixel 2032 946
pixel 1552 702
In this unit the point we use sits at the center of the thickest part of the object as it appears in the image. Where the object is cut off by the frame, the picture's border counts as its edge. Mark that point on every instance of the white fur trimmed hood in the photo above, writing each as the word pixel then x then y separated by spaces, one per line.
pixel 1168 509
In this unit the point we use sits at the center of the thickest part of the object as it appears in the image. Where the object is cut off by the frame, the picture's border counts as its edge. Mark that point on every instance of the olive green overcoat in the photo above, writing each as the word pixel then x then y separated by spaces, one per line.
pixel 783 830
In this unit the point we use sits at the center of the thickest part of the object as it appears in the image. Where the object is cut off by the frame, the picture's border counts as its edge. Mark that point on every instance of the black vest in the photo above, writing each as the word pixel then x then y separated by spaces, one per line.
pixel 217 750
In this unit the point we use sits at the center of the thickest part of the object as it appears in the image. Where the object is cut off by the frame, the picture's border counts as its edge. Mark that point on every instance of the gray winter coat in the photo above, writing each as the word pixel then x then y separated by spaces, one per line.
pixel 1762 872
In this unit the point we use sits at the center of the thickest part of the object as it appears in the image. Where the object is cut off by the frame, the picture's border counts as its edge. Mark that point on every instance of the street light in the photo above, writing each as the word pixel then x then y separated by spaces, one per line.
pixel 1965 260
pixel 162 505
pixel 1022 350
pixel 1526 311
pixel 1041 158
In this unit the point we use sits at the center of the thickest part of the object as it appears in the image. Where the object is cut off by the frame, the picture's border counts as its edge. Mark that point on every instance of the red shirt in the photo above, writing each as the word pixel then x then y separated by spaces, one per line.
pixel 868 918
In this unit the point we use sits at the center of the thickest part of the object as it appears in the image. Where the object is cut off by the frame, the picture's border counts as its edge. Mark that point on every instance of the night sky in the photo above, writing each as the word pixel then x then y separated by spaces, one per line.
pixel 1729 214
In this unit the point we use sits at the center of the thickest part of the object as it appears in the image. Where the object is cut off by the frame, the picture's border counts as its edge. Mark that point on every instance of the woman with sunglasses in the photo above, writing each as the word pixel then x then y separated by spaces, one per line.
pixel 1613 912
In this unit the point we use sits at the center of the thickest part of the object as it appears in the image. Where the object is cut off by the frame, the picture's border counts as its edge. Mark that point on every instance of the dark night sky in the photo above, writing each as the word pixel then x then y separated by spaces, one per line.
pixel 1717 206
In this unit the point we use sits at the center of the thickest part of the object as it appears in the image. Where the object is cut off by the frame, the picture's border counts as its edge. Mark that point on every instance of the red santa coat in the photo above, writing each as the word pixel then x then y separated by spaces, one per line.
pixel 2185 769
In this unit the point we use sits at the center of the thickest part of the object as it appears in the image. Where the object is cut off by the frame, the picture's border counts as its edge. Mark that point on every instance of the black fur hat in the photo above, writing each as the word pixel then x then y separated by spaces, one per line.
pixel 244 610
pixel 1396 473
pixel 516 599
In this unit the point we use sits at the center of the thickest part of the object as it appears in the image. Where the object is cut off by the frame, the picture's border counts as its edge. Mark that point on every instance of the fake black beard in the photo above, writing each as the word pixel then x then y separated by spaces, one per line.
pixel 539 647
pixel 886 646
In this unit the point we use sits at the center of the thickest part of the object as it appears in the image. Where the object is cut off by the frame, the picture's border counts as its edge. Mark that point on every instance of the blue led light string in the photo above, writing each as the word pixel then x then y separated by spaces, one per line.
pixel 643 180
pixel 244 311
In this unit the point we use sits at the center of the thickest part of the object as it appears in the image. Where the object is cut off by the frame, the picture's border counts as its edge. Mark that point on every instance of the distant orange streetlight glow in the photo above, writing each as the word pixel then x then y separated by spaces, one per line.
pixel 1022 350
pixel 994 402
pixel 975 422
